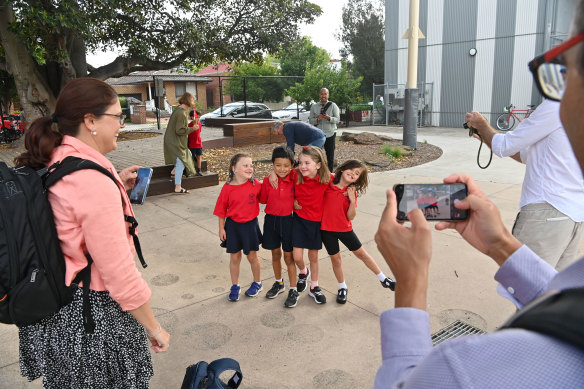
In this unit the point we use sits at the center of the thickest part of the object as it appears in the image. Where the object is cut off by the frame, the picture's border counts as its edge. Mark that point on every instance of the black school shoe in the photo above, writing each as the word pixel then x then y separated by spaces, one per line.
pixel 292 299
pixel 317 295
pixel 388 283
pixel 275 290
pixel 342 296
pixel 302 279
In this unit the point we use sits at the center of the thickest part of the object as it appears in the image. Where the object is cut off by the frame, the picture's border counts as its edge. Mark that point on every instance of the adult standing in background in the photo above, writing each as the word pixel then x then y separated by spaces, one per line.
pixel 325 115
pixel 176 150
pixel 550 221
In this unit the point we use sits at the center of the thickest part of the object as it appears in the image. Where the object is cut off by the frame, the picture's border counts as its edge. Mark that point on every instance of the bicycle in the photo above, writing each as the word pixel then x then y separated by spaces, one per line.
pixel 506 121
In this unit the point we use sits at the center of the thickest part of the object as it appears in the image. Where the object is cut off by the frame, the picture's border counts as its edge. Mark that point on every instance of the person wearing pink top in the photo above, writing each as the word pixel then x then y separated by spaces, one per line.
pixel 89 216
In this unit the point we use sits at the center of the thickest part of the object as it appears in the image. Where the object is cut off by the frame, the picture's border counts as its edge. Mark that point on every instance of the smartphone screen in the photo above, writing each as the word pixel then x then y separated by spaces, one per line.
pixel 436 201
pixel 138 194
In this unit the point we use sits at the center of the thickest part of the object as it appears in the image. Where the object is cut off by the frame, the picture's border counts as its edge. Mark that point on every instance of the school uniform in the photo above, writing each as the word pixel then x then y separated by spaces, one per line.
pixel 306 223
pixel 239 205
pixel 279 209
pixel 335 225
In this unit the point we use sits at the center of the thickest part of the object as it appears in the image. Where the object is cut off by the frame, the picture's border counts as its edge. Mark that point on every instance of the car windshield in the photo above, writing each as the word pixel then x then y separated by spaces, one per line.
pixel 226 109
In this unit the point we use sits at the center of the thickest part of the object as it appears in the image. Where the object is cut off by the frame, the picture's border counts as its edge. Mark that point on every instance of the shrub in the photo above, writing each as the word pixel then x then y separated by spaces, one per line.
pixel 391 152
pixel 123 102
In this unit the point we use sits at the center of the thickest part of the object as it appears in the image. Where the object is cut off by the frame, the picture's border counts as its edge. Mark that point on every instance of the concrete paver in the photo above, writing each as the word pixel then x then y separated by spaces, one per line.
pixel 319 346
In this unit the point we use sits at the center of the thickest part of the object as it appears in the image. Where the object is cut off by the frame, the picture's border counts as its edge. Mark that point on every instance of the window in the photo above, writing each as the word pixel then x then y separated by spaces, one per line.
pixel 180 88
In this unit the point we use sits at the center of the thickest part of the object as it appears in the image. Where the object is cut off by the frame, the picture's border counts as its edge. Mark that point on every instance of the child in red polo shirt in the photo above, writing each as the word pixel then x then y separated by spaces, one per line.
pixel 309 191
pixel 195 142
pixel 340 203
pixel 278 221
pixel 237 208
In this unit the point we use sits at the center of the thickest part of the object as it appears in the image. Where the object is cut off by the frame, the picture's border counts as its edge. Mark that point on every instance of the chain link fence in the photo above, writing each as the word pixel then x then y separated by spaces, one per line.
pixel 388 104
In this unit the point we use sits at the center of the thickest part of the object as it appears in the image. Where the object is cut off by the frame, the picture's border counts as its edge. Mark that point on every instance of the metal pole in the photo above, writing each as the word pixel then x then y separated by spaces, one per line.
pixel 221 95
pixel 156 103
pixel 412 93
pixel 244 98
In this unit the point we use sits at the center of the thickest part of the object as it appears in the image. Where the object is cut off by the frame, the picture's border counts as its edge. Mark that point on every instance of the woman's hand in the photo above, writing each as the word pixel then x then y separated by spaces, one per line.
pixel 160 340
pixel 128 176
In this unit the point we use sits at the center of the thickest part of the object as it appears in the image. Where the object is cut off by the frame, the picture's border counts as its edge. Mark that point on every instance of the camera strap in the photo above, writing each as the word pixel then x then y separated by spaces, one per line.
pixel 479 155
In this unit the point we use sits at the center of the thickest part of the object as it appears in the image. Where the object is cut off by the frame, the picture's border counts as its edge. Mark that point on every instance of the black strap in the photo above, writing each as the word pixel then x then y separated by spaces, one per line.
pixel 85 276
pixel 559 315
pixel 326 106
pixel 60 169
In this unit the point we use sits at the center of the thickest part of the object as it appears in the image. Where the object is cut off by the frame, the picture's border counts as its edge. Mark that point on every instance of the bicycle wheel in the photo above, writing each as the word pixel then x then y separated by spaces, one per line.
pixel 505 122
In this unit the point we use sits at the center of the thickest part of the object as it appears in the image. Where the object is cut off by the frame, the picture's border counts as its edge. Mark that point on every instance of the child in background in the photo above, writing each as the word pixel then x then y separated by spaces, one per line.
pixel 278 222
pixel 237 208
pixel 195 142
pixel 340 203
pixel 309 191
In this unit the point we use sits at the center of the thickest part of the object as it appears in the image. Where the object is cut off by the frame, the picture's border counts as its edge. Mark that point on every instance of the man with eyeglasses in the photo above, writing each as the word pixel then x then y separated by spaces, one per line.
pixel 551 216
pixel 540 347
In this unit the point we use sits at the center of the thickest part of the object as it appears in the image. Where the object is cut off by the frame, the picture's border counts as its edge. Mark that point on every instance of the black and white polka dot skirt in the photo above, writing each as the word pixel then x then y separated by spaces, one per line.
pixel 57 348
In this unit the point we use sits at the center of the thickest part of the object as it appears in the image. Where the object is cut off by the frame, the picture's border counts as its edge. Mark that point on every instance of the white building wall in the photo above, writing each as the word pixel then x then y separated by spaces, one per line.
pixel 434 54
pixel 485 57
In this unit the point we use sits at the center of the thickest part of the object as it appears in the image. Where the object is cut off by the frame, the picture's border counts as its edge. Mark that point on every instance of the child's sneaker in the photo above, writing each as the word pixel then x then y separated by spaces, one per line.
pixel 342 296
pixel 317 294
pixel 388 283
pixel 254 289
pixel 301 284
pixel 292 299
pixel 234 294
pixel 275 290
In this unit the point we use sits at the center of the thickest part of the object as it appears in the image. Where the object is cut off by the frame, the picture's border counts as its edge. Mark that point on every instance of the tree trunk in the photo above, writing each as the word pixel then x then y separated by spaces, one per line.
pixel 35 95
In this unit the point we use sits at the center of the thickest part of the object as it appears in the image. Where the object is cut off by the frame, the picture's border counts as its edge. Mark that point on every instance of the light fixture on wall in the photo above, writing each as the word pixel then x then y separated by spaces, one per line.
pixel 472 52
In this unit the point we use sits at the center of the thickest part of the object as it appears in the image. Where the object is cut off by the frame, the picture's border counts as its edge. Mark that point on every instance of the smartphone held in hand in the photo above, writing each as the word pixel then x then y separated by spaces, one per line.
pixel 138 194
pixel 436 201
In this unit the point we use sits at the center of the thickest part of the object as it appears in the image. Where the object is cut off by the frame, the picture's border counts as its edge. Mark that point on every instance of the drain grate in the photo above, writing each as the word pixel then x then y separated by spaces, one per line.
pixel 454 330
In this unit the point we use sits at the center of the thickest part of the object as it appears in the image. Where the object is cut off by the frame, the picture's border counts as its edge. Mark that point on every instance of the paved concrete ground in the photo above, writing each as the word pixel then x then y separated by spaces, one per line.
pixel 310 346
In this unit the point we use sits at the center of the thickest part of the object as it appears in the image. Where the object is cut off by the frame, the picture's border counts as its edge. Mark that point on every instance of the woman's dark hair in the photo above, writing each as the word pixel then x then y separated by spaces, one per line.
pixel 78 98
pixel 283 152
pixel 362 182
pixel 233 162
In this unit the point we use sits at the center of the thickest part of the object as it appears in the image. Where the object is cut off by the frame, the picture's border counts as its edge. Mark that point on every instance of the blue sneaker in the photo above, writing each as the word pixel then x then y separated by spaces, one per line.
pixel 234 294
pixel 254 289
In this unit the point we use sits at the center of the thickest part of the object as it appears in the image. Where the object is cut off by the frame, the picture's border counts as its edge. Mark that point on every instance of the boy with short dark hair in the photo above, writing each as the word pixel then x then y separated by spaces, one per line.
pixel 277 230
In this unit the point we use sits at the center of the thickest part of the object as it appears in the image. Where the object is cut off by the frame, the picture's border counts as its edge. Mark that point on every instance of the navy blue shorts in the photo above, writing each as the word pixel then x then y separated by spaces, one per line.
pixel 243 236
pixel 277 231
pixel 330 239
pixel 306 234
pixel 196 151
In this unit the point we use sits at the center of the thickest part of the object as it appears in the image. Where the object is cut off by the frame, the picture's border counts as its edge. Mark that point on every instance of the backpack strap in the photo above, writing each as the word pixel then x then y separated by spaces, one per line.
pixel 559 315
pixel 218 366
pixel 85 276
pixel 326 106
pixel 60 169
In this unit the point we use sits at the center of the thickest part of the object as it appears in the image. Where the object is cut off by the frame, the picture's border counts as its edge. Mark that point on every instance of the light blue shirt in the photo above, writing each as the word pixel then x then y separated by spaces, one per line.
pixel 511 358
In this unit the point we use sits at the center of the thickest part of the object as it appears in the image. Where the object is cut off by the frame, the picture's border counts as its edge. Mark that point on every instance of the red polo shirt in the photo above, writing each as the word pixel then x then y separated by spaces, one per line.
pixel 279 202
pixel 195 141
pixel 310 196
pixel 334 215
pixel 239 202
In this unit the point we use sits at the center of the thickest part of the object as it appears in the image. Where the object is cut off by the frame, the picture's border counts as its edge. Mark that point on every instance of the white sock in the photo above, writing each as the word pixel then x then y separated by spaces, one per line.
pixel 342 285
pixel 381 277
pixel 293 288
pixel 280 281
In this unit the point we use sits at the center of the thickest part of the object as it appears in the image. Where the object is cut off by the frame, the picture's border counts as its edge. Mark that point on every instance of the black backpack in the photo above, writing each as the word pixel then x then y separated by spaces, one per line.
pixel 32 267
pixel 203 375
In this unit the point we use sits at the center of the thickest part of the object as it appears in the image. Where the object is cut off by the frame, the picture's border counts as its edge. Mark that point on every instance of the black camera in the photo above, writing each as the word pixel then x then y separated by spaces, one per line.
pixel 471 130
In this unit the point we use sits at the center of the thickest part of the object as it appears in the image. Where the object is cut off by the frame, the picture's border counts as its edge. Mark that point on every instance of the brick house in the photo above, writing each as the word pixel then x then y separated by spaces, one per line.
pixel 167 85
pixel 216 72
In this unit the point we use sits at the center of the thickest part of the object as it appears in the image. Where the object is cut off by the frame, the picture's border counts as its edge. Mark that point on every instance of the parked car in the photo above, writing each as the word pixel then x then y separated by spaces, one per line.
pixel 254 110
pixel 291 112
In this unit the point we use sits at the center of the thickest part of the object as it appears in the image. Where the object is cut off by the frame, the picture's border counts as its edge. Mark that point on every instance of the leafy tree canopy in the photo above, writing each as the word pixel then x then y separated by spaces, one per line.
pixel 43 44
pixel 257 89
pixel 301 55
pixel 343 89
pixel 362 32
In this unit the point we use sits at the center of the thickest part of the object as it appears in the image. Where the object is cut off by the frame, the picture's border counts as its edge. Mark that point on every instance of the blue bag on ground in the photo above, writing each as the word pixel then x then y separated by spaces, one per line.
pixel 203 375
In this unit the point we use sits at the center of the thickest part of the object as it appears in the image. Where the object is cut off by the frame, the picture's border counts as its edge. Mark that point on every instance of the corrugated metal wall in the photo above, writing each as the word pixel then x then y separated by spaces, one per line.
pixel 506 35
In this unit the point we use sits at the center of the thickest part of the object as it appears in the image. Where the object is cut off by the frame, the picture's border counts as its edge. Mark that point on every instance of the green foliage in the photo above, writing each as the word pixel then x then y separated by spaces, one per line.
pixel 257 89
pixel 123 102
pixel 360 107
pixel 343 89
pixel 301 55
pixel 391 152
pixel 362 33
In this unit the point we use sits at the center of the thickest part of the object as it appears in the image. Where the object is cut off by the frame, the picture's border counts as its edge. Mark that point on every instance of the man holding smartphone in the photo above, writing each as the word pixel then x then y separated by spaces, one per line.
pixel 520 357
pixel 325 115
pixel 550 221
